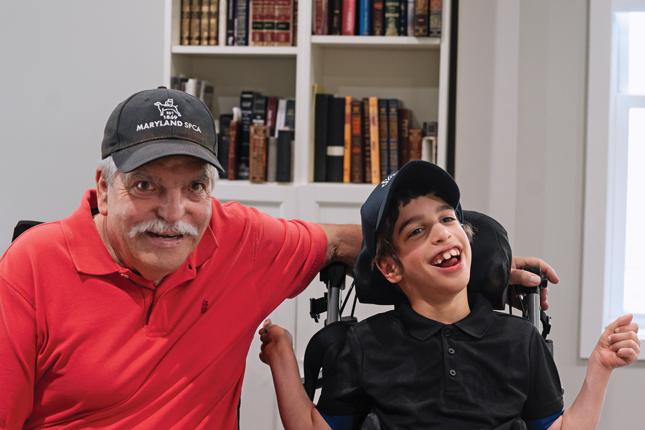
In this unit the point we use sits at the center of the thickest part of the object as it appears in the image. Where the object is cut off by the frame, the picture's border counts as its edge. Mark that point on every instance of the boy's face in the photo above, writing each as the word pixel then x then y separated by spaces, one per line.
pixel 432 247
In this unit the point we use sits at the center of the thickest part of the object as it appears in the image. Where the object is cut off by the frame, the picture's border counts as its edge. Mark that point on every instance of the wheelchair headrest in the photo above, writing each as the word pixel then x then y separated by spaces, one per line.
pixel 489 270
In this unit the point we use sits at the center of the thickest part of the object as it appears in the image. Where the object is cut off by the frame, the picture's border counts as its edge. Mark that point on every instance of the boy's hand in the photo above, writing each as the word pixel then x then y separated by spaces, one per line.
pixel 618 345
pixel 275 341
pixel 519 276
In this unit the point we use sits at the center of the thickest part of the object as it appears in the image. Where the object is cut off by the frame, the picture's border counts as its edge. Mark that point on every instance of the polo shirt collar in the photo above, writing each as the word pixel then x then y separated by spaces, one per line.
pixel 475 324
pixel 91 257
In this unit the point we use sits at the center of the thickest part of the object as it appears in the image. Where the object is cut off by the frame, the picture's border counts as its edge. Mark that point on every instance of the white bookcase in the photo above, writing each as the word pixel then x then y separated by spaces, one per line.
pixel 413 70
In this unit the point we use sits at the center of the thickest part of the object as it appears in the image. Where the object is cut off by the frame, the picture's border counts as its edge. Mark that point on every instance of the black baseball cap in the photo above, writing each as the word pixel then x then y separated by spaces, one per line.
pixel 418 175
pixel 153 124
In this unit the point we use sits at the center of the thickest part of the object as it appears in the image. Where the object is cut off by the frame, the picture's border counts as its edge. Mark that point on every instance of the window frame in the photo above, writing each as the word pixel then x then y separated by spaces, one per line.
pixel 605 186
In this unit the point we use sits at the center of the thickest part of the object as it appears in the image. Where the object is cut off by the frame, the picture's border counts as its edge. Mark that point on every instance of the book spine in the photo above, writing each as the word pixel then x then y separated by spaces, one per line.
pixel 290 115
pixel 403 17
pixel 281 115
pixel 242 20
pixel 213 22
pixel 294 24
pixel 195 21
pixel 283 22
pixel 421 18
pixel 404 129
pixel 223 139
pixel 378 18
pixel 384 149
pixel 335 16
pixel 270 19
pixel 410 19
pixel 321 128
pixel 434 25
pixel 272 108
pixel 258 157
pixel 285 149
pixel 204 20
pixel 336 141
pixel 356 149
pixel 429 149
pixel 256 23
pixel 375 141
pixel 414 144
pixel 246 106
pixel 347 135
pixel 221 28
pixel 348 17
pixel 320 17
pixel 186 16
pixel 393 135
pixel 391 17
pixel 365 123
pixel 233 144
pixel 272 159
pixel 231 9
pixel 365 17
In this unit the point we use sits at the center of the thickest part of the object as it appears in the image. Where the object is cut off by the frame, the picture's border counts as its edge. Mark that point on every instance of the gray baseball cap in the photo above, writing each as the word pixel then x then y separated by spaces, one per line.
pixel 153 124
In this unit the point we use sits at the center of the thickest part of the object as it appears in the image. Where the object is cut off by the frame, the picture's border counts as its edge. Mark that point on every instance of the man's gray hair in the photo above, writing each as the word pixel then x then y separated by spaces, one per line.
pixel 109 170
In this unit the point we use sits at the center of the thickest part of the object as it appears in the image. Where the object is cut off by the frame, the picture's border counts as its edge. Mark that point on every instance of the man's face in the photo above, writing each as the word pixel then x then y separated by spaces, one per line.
pixel 432 247
pixel 156 215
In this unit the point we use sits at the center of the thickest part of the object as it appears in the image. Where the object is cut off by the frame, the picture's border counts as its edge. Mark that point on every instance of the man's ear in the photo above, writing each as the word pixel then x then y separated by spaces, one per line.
pixel 390 269
pixel 101 192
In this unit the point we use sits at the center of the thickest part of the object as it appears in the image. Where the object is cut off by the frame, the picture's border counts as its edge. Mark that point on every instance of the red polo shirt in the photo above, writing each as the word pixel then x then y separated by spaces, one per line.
pixel 85 342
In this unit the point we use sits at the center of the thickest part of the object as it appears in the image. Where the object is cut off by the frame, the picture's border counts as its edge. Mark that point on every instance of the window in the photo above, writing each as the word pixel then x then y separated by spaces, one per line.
pixel 614 231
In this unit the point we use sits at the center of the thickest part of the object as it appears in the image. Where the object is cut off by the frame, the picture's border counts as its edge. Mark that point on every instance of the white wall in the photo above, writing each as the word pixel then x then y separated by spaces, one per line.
pixel 64 66
pixel 521 142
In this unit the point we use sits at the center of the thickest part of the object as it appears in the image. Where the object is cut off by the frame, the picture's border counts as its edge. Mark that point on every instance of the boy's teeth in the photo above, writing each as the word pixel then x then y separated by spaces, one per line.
pixel 446 255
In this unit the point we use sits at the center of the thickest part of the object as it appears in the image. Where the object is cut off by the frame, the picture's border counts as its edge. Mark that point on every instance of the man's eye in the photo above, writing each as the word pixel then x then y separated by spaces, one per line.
pixel 143 186
pixel 198 187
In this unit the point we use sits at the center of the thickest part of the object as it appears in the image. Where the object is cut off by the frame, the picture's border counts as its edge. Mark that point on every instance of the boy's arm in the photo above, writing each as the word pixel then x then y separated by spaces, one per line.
pixel 618 346
pixel 296 409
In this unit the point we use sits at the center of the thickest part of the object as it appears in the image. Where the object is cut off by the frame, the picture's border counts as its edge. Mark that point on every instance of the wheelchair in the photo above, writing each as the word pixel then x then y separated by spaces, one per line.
pixel 489 276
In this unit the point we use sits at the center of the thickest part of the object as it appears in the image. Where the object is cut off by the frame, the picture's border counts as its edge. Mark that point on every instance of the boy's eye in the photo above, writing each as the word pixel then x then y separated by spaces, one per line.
pixel 449 218
pixel 415 231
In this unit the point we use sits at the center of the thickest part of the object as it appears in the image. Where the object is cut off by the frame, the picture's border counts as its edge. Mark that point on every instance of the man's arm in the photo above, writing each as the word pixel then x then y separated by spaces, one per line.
pixel 296 410
pixel 343 242
pixel 618 346
pixel 17 355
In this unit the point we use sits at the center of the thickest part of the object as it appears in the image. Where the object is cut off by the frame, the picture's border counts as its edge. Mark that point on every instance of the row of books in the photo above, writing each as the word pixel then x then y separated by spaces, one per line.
pixel 239 22
pixel 202 89
pixel 420 18
pixel 363 141
pixel 255 141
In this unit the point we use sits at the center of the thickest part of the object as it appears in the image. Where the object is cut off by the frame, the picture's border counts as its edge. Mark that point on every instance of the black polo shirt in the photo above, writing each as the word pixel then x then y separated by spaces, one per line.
pixel 416 373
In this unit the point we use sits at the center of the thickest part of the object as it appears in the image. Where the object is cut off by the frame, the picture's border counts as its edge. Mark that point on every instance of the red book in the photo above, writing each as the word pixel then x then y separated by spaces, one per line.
pixel 348 18
pixel 283 23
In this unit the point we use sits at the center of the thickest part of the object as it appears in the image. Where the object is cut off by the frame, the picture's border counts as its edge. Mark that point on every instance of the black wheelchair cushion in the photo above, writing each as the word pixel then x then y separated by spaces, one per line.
pixel 489 271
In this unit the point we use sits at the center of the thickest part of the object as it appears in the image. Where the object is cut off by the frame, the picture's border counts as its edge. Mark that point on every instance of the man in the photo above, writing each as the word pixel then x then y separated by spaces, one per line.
pixel 138 310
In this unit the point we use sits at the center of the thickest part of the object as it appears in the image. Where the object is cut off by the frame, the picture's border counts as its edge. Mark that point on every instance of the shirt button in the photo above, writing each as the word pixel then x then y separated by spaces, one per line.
pixel 451 351
pixel 452 372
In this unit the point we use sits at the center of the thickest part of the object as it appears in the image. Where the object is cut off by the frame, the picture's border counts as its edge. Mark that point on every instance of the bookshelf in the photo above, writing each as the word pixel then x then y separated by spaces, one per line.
pixel 413 70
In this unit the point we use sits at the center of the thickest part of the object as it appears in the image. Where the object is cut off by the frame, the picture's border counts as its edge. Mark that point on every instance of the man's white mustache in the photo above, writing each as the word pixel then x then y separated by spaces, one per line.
pixel 161 227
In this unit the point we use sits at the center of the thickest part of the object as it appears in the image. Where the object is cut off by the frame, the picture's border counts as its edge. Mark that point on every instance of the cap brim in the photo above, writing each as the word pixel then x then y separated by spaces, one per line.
pixel 420 174
pixel 136 156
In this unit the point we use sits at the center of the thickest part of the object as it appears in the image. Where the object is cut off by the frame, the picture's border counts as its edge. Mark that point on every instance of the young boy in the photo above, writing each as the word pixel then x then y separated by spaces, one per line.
pixel 439 360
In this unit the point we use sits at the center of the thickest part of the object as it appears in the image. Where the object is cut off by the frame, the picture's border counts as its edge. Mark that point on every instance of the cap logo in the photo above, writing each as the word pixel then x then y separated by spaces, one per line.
pixel 168 109
pixel 388 179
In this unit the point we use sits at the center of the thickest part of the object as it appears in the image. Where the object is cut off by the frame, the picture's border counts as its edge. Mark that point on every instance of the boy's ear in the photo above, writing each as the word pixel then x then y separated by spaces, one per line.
pixel 390 269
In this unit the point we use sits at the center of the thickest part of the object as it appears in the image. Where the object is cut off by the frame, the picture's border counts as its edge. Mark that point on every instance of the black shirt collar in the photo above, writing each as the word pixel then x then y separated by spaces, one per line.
pixel 475 324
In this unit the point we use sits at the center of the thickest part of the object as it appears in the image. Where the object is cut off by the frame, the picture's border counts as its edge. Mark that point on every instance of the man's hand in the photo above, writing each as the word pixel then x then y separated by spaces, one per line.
pixel 519 276
pixel 275 341
pixel 618 345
